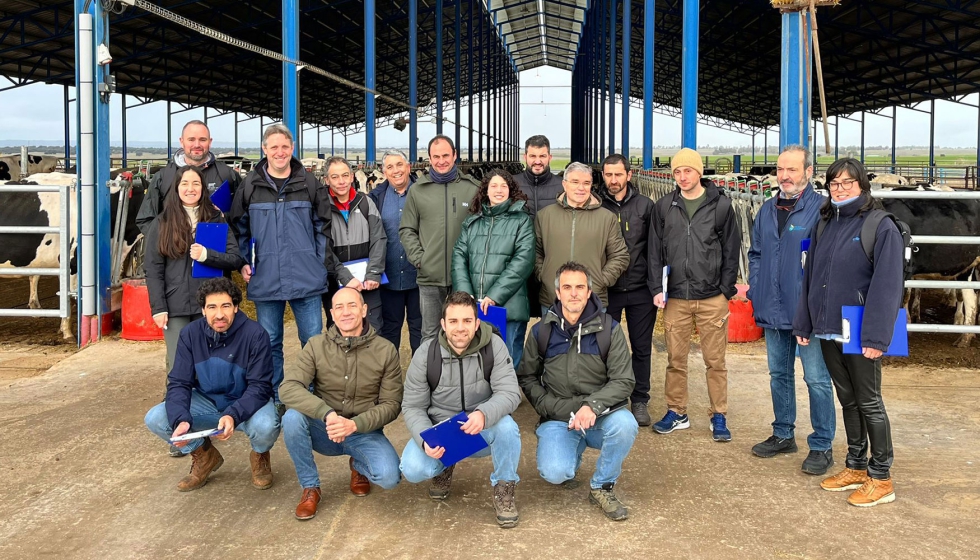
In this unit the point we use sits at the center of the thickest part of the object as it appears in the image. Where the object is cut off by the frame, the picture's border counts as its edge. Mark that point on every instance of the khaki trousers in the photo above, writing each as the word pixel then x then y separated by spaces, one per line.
pixel 711 316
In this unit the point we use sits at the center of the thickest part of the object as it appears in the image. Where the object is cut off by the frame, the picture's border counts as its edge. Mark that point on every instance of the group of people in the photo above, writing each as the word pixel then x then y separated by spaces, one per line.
pixel 437 249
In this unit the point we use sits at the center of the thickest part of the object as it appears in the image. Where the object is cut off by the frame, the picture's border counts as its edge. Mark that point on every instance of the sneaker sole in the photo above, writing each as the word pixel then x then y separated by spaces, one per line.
pixel 769 455
pixel 722 439
pixel 438 497
pixel 816 472
pixel 609 515
pixel 306 518
pixel 883 500
pixel 681 426
pixel 844 488
pixel 506 523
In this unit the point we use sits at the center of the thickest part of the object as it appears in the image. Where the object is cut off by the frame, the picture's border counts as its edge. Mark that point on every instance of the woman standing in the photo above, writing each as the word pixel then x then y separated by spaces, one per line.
pixel 838 272
pixel 494 255
pixel 171 251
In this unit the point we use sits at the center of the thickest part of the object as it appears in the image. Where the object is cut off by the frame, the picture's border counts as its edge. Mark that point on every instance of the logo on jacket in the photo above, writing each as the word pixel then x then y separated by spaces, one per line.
pixel 856 238
pixel 466 205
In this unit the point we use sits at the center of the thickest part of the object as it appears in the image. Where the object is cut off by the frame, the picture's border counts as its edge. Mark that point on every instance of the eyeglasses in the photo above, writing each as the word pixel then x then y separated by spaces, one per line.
pixel 841 185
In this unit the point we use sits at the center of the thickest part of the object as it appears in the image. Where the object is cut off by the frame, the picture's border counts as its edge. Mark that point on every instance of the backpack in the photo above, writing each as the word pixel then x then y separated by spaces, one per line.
pixel 869 232
pixel 603 337
pixel 433 365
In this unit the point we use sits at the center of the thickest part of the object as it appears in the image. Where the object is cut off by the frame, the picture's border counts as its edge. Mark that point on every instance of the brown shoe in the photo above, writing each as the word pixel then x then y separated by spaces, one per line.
pixel 847 479
pixel 359 484
pixel 307 504
pixel 873 492
pixel 504 504
pixel 261 470
pixel 441 483
pixel 204 461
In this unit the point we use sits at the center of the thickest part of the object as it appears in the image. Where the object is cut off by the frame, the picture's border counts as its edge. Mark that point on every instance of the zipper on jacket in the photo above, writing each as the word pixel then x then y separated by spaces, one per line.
pixel 572 248
pixel 462 385
pixel 446 235
pixel 486 253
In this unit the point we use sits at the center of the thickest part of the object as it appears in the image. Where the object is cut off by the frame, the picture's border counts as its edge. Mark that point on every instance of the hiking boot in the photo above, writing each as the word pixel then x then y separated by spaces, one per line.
pixel 441 483
pixel 817 462
pixel 359 484
pixel 204 461
pixel 307 504
pixel 719 428
pixel 874 491
pixel 261 470
pixel 570 484
pixel 672 421
pixel 773 446
pixel 606 499
pixel 175 452
pixel 640 412
pixel 847 479
pixel 504 505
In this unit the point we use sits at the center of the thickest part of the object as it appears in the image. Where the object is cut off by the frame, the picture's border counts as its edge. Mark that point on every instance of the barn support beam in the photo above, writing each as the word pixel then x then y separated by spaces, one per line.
pixel 689 74
pixel 123 123
pixel 894 137
pixel 439 53
pixel 469 80
pixel 862 136
pixel 600 79
pixel 236 133
pixel 290 74
pixel 612 76
pixel 932 138
pixel 370 78
pixel 67 130
pixel 627 26
pixel 413 80
pixel 170 131
pixel 793 91
pixel 458 69
pixel 836 138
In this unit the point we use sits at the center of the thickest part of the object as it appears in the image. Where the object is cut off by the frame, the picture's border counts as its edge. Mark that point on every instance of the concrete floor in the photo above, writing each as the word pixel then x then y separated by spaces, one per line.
pixel 83 478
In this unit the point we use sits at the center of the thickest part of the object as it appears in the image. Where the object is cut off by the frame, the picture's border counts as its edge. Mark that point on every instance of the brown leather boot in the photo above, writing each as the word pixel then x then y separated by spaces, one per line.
pixel 204 461
pixel 261 470
pixel 439 490
pixel 307 504
pixel 359 484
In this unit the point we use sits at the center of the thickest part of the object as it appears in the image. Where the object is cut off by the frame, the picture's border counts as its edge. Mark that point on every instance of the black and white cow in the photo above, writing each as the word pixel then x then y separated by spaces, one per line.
pixel 10 165
pixel 44 209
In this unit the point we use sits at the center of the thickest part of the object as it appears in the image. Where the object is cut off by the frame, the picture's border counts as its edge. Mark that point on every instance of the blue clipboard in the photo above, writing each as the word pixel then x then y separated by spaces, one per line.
pixel 221 197
pixel 458 444
pixel 853 315
pixel 214 237
pixel 496 316
pixel 353 266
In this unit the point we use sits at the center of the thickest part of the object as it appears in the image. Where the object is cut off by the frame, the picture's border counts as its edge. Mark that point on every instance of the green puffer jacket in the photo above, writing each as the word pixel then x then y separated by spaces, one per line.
pixel 494 256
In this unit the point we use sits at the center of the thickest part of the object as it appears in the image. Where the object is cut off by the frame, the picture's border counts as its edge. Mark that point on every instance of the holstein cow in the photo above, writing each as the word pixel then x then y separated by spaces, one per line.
pixel 44 209
pixel 10 166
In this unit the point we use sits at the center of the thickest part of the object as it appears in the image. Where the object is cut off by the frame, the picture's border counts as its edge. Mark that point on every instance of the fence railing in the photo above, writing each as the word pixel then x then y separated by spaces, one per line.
pixel 64 240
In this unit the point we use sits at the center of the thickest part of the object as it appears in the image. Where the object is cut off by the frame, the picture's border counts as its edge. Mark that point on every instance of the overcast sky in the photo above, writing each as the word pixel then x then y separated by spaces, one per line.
pixel 35 114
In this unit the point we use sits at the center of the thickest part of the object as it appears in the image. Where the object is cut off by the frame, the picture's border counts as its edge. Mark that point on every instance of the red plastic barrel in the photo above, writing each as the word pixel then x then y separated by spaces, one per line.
pixel 741 325
pixel 137 320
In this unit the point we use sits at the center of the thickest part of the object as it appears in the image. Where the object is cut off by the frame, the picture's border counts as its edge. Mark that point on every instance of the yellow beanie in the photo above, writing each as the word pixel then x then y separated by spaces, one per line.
pixel 687 158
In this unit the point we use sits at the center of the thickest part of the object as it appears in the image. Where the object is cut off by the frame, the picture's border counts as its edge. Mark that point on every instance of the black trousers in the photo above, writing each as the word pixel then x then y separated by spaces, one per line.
pixel 641 315
pixel 396 306
pixel 858 384
pixel 371 297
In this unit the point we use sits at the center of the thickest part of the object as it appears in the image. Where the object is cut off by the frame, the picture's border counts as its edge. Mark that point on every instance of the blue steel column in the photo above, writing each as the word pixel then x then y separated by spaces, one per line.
pixel 649 13
pixel 627 24
pixel 457 59
pixel 689 73
pixel 481 88
pixel 603 35
pixel 170 132
pixel 123 123
pixel 370 115
pixel 612 76
pixel 290 76
pixel 413 80
pixel 469 77
pixel 438 23
pixel 792 92
pixel 67 130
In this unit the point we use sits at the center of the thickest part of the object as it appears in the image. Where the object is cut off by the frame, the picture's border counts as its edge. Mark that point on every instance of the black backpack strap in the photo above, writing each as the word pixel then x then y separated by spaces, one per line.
pixel 869 231
pixel 722 207
pixel 544 335
pixel 821 225
pixel 433 365
pixel 604 337
pixel 486 355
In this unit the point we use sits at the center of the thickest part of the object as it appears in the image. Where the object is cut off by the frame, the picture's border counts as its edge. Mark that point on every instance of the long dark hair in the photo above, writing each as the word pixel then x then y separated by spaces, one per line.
pixel 175 226
pixel 854 169
pixel 481 198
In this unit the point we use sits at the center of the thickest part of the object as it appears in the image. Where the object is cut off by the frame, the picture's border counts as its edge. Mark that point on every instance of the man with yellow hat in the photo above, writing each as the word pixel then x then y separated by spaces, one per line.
pixel 695 241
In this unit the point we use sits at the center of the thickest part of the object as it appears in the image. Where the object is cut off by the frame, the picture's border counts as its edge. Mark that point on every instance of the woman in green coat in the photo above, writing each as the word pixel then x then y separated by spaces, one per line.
pixel 494 255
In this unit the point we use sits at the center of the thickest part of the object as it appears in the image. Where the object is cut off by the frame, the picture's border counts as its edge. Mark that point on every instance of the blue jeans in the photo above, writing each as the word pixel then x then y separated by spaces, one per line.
pixel 504 439
pixel 781 350
pixel 262 428
pixel 373 454
pixel 560 449
pixel 516 331
pixel 309 323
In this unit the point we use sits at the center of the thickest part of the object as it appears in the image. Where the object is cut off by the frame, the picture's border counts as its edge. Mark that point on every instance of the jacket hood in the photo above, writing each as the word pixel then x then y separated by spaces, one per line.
pixel 506 207
pixel 347 343
pixel 593 203
pixel 852 209
pixel 180 161
pixel 712 192
pixel 592 311
pixel 296 168
pixel 480 339
pixel 631 191
pixel 215 338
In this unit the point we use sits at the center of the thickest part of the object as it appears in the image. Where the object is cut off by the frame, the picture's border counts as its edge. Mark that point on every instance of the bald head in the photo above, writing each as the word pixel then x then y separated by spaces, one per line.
pixel 348 311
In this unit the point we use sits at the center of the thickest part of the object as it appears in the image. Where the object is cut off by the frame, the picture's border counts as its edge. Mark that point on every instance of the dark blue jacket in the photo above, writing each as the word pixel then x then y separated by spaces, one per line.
pixel 291 229
pixel 838 273
pixel 775 266
pixel 401 273
pixel 232 369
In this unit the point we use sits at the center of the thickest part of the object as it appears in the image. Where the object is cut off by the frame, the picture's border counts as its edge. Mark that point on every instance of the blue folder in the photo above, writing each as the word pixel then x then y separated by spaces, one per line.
pixel 496 316
pixel 221 197
pixel 854 314
pixel 214 237
pixel 459 445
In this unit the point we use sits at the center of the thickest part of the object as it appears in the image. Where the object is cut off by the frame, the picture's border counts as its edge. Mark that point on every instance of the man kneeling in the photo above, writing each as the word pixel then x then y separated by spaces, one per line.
pixel 577 375
pixel 357 390
pixel 221 378
pixel 473 373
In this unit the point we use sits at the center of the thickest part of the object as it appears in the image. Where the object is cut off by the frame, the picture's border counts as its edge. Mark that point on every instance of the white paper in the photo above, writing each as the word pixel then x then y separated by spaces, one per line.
pixel 845 336
pixel 666 273
pixel 196 435
pixel 358 269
